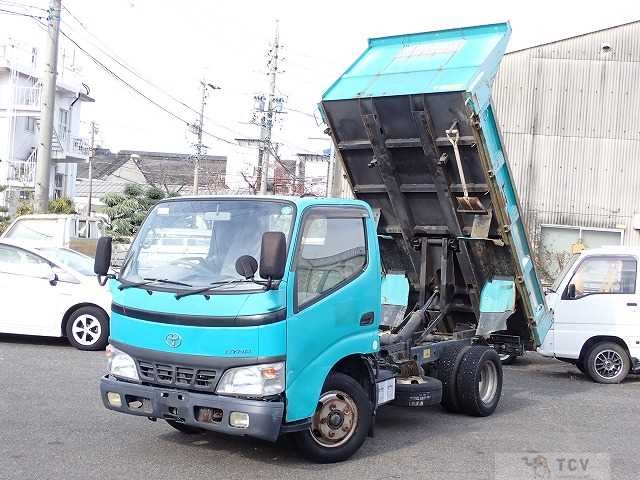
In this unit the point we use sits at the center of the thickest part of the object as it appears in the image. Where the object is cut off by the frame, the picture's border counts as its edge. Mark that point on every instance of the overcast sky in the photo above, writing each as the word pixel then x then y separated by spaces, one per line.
pixel 174 44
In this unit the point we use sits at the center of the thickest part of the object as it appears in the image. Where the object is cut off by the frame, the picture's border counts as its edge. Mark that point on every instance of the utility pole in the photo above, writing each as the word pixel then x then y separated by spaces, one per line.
pixel 91 155
pixel 265 132
pixel 199 146
pixel 43 166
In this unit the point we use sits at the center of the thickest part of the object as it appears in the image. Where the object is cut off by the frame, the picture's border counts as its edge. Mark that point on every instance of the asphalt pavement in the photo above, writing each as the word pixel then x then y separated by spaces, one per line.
pixel 53 426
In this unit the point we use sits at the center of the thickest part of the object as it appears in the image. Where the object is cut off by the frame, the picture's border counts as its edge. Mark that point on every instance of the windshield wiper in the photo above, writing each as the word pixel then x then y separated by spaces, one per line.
pixel 215 285
pixel 148 281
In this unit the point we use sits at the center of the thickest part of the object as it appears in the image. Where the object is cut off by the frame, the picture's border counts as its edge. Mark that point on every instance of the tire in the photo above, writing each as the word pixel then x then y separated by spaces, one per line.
pixel 479 381
pixel 580 366
pixel 343 401
pixel 507 358
pixel 186 429
pixel 88 328
pixel 447 372
pixel 608 362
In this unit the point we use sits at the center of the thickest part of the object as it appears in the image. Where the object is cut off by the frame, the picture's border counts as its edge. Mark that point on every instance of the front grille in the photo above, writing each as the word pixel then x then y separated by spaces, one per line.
pixel 165 374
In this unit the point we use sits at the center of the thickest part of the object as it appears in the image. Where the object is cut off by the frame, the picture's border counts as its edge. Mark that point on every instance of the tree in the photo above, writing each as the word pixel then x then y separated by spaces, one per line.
pixel 5 218
pixel 127 210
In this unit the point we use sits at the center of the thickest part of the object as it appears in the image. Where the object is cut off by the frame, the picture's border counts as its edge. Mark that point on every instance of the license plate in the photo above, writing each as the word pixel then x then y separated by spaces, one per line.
pixel 386 390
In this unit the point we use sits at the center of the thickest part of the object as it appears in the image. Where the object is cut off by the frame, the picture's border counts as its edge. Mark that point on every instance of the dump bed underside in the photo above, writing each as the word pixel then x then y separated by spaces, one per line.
pixel 398 159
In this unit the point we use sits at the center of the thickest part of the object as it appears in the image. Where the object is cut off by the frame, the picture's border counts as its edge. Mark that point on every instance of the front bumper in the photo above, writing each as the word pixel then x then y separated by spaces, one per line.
pixel 265 418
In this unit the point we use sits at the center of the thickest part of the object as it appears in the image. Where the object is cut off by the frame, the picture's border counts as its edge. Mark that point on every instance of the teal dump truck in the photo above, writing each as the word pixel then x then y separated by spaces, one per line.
pixel 265 316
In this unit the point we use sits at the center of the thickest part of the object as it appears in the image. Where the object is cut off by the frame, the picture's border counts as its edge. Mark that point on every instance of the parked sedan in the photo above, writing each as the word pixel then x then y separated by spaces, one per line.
pixel 52 291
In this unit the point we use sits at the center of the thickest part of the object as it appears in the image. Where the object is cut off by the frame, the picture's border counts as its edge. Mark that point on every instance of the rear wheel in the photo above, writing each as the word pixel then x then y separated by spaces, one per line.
pixel 341 421
pixel 479 381
pixel 88 328
pixel 447 372
pixel 608 362
pixel 186 429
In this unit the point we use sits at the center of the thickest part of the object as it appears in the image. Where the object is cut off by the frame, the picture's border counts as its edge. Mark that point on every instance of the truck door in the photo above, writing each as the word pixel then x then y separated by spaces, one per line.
pixel 605 302
pixel 333 300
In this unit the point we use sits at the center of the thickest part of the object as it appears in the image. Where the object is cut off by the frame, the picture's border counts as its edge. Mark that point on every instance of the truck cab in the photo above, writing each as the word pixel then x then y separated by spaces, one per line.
pixel 229 329
pixel 595 301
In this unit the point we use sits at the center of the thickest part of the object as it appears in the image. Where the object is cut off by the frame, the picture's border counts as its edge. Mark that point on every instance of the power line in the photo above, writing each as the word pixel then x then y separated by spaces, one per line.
pixel 140 93
pixel 20 14
pixel 134 72
pixel 22 5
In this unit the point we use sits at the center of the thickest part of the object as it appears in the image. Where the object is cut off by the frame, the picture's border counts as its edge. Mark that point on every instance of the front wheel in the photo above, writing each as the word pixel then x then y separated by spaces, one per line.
pixel 608 362
pixel 88 328
pixel 340 424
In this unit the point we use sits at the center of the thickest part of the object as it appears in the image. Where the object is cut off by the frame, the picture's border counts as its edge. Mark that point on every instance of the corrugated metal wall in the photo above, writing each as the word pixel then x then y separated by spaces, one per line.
pixel 569 112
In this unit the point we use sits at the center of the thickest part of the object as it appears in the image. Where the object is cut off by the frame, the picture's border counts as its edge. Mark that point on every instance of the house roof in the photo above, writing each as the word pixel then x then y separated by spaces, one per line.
pixel 158 168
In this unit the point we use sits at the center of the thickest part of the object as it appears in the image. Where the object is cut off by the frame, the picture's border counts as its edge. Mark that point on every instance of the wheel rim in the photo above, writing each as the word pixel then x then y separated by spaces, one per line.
pixel 608 364
pixel 86 329
pixel 488 383
pixel 335 420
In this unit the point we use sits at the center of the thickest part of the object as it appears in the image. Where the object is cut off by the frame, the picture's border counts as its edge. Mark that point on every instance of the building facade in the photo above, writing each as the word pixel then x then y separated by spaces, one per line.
pixel 569 115
pixel 21 67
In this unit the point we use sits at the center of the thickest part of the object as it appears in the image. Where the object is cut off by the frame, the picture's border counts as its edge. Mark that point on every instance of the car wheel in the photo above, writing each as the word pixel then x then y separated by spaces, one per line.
pixel 608 362
pixel 88 328
pixel 580 366
pixel 186 429
pixel 340 424
pixel 479 381
pixel 447 372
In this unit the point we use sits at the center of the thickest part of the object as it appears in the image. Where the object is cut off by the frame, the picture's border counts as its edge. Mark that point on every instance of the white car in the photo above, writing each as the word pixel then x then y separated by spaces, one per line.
pixel 596 306
pixel 52 291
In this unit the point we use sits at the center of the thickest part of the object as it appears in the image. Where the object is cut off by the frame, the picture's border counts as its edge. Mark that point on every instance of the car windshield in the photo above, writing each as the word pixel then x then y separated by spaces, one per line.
pixel 74 260
pixel 34 229
pixel 197 242
pixel 565 269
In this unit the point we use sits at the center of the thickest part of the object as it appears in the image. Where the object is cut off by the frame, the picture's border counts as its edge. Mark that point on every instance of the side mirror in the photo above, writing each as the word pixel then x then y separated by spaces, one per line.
pixel 53 277
pixel 246 266
pixel 273 255
pixel 102 261
pixel 571 291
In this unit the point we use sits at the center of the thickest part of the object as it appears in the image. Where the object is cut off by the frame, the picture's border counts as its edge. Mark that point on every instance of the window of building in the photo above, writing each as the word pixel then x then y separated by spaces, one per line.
pixel 63 123
pixel 605 275
pixel 58 190
pixel 559 242
pixel 332 252
pixel 25 195
pixel 30 124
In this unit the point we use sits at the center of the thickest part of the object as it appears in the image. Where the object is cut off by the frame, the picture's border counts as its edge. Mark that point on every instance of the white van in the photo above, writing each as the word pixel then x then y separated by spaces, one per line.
pixel 596 306
pixel 75 232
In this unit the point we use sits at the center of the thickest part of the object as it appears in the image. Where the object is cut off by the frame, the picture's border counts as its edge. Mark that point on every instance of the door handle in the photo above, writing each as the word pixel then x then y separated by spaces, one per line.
pixel 366 319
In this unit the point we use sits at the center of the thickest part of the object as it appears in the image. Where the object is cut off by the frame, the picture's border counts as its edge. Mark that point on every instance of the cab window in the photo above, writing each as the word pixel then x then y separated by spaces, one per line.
pixel 605 275
pixel 332 252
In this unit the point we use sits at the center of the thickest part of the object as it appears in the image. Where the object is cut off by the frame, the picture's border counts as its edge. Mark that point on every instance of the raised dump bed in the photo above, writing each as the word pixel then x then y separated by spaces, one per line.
pixel 417 135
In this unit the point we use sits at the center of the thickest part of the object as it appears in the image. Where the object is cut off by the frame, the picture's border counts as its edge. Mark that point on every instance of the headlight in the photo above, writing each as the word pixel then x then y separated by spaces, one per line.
pixel 255 380
pixel 121 365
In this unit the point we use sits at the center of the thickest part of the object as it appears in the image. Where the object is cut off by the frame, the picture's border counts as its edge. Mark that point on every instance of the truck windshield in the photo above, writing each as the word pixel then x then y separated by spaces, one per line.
pixel 565 269
pixel 197 242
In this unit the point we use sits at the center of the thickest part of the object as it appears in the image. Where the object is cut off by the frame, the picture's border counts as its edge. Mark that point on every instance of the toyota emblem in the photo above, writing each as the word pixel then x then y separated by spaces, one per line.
pixel 173 340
